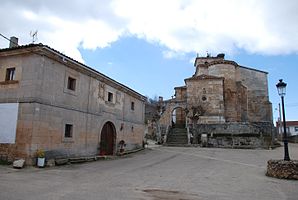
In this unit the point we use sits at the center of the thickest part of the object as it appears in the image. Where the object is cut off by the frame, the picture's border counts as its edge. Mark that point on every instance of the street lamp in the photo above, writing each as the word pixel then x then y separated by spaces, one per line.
pixel 281 88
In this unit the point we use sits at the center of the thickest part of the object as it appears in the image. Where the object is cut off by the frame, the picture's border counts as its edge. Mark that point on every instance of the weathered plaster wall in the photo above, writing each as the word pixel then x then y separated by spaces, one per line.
pixel 8 122
pixel 46 105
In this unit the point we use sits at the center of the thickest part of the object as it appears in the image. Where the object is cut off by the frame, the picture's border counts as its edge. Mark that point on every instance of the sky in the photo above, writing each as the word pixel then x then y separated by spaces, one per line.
pixel 150 45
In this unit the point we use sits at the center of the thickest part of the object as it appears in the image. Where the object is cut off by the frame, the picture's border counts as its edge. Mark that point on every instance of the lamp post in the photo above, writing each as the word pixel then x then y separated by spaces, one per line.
pixel 281 88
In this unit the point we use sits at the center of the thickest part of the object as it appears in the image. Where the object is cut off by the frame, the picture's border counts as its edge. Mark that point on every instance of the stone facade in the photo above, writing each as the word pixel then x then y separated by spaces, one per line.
pixel 63 105
pixel 225 102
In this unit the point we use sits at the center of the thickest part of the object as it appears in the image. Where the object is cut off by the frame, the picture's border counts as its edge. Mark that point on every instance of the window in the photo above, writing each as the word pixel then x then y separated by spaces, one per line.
pixel 296 128
pixel 10 74
pixel 132 106
pixel 204 98
pixel 71 84
pixel 68 131
pixel 110 97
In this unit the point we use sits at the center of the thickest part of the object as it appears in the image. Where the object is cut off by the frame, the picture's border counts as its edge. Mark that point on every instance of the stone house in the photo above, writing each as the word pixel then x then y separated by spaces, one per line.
pixel 222 104
pixel 50 101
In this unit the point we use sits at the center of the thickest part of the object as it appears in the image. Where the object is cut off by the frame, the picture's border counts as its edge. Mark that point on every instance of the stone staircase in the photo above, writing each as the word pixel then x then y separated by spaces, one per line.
pixel 177 137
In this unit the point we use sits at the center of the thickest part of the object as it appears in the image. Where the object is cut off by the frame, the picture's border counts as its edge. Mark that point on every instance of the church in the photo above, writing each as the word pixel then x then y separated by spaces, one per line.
pixel 223 104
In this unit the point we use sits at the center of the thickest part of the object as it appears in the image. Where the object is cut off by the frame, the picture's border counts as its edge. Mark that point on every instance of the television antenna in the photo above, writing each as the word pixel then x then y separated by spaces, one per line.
pixel 34 36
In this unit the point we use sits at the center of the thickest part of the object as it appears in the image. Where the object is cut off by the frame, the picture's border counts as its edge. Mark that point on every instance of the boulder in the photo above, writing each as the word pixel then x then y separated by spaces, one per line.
pixel 19 163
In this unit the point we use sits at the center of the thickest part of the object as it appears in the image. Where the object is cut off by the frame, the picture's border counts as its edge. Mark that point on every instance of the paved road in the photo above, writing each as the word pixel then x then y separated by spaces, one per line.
pixel 167 173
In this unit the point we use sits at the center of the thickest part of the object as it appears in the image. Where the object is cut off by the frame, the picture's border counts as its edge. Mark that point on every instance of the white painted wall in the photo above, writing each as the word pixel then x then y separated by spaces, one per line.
pixel 293 130
pixel 8 122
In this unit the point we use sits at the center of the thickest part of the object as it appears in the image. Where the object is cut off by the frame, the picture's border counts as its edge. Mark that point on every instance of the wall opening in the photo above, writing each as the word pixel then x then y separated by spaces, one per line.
pixel 178 118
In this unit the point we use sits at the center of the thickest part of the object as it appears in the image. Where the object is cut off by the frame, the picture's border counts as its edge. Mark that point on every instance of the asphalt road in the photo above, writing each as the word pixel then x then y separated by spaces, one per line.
pixel 166 173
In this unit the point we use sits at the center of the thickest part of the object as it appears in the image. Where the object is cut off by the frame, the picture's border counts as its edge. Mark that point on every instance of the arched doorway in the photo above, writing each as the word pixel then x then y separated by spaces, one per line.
pixel 178 117
pixel 107 139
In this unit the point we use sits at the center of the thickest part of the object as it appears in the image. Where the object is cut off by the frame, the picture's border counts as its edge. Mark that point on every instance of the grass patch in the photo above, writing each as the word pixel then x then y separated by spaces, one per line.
pixel 4 162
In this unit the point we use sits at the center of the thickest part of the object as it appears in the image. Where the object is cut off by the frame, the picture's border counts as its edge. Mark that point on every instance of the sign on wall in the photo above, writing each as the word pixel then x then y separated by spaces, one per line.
pixel 8 122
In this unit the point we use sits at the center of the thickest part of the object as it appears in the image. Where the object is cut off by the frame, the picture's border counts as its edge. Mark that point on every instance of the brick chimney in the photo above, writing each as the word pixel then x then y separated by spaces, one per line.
pixel 13 42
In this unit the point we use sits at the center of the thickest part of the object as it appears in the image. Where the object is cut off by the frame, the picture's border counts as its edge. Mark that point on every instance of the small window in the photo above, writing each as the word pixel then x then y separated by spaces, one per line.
pixel 68 131
pixel 296 128
pixel 71 84
pixel 110 97
pixel 10 74
pixel 132 106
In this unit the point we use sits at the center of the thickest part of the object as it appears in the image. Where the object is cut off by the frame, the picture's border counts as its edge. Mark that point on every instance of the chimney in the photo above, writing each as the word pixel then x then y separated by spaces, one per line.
pixel 13 42
pixel 160 99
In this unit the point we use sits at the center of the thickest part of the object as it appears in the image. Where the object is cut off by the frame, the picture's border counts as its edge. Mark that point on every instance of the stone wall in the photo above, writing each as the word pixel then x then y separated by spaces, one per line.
pixel 46 105
pixel 228 72
pixel 234 134
pixel 208 94
pixel 170 106
pixel 180 93
pixel 259 108
pixel 282 169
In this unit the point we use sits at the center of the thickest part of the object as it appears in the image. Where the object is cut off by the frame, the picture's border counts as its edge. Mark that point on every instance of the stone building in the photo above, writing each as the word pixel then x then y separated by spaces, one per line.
pixel 50 101
pixel 222 104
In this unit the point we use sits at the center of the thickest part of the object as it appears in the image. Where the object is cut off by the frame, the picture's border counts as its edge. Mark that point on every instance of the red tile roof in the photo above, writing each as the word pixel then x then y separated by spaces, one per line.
pixel 289 123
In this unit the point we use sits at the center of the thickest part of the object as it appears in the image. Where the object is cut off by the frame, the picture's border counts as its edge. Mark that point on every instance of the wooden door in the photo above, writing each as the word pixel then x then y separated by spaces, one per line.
pixel 107 139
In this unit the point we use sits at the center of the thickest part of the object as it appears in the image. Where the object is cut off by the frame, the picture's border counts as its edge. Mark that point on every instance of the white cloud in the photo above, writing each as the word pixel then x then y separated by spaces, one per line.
pixel 264 27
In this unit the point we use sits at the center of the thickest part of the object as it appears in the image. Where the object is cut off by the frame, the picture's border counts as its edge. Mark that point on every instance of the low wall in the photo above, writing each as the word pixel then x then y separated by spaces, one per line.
pixel 233 134
pixel 282 169
pixel 293 139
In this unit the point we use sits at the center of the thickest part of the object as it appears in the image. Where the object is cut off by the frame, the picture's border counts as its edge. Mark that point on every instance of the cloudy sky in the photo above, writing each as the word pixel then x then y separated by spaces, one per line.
pixel 150 45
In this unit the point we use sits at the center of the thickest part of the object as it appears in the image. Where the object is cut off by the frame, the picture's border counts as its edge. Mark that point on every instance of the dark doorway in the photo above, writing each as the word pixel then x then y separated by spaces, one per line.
pixel 107 139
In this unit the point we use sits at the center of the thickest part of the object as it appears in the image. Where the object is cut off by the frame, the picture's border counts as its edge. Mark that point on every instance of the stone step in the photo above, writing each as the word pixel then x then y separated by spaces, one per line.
pixel 177 133
pixel 177 141
pixel 179 130
pixel 180 140
pixel 177 145
pixel 177 136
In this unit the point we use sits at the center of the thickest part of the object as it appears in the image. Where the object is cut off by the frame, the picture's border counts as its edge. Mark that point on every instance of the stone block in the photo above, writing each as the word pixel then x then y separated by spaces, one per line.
pixel 19 163
pixel 50 163
pixel 61 161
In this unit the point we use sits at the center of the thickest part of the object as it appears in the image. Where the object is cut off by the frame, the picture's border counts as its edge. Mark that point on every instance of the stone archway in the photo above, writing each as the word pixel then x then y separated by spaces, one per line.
pixel 107 139
pixel 178 117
